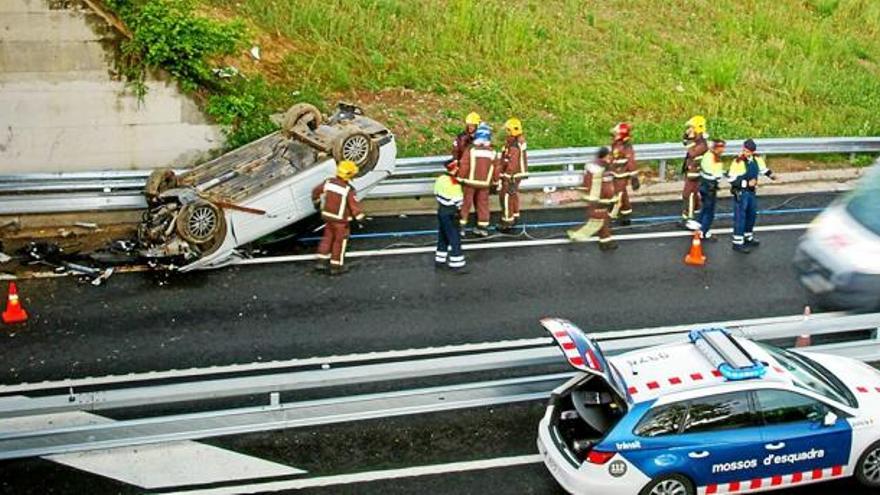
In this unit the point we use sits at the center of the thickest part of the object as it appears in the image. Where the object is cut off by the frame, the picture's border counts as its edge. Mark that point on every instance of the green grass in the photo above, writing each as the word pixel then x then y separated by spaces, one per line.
pixel 572 68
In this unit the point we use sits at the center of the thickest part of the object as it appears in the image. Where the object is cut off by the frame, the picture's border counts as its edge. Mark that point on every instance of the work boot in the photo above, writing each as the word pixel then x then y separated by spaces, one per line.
pixel 741 248
pixel 753 242
pixel 708 237
pixel 338 269
pixel 462 232
pixel 505 228
pixel 481 232
pixel 692 224
pixel 322 265
pixel 625 221
pixel 608 246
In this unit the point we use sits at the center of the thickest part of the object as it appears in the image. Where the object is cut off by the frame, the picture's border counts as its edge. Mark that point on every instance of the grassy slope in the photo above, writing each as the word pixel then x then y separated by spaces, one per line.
pixel 571 68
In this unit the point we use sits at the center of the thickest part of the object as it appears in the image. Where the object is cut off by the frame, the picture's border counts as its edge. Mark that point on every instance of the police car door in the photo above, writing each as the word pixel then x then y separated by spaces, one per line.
pixel 719 438
pixel 800 436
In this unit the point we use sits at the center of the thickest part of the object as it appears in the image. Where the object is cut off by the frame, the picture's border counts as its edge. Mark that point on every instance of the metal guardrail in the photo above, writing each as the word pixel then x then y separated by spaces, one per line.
pixel 79 191
pixel 277 415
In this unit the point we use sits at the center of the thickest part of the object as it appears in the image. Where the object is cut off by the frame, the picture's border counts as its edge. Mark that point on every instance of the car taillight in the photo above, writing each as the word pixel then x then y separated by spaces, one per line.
pixel 599 457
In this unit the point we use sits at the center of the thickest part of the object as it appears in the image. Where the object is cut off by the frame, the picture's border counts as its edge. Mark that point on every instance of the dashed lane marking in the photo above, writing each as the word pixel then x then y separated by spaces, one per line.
pixel 390 474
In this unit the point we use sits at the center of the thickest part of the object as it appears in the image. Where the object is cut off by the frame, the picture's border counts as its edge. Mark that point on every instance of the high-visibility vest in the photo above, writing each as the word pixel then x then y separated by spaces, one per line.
pixel 448 191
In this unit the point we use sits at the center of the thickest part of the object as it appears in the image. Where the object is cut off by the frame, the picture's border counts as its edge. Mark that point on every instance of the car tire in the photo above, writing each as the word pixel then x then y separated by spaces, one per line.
pixel 301 114
pixel 868 467
pixel 159 181
pixel 201 223
pixel 672 484
pixel 357 147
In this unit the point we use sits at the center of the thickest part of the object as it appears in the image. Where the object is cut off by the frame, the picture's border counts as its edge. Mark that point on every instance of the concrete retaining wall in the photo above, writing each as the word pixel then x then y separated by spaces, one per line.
pixel 61 109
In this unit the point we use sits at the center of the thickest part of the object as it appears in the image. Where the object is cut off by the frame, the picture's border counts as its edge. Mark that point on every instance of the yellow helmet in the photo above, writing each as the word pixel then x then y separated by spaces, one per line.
pixel 698 122
pixel 513 127
pixel 346 170
pixel 472 118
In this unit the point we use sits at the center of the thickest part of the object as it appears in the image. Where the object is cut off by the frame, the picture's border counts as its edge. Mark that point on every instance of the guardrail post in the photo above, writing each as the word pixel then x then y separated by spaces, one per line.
pixel 662 171
pixel 852 157
pixel 274 399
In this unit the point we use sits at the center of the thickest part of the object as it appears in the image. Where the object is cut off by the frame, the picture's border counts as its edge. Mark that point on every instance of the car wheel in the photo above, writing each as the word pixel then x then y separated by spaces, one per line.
pixel 299 115
pixel 868 468
pixel 160 180
pixel 200 223
pixel 357 147
pixel 673 484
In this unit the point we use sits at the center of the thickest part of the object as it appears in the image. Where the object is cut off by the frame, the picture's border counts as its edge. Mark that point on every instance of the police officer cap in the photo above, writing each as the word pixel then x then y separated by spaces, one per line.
pixel 603 152
pixel 750 145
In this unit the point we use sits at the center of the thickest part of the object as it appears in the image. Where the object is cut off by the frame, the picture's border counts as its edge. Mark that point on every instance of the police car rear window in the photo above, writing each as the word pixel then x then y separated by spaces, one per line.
pixel 663 420
pixel 720 412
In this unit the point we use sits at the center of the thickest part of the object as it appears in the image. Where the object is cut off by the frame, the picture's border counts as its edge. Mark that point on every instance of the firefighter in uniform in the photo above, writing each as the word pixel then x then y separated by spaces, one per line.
pixel 449 196
pixel 695 142
pixel 513 168
pixel 338 204
pixel 466 137
pixel 477 172
pixel 624 168
pixel 603 201
pixel 743 176
pixel 711 172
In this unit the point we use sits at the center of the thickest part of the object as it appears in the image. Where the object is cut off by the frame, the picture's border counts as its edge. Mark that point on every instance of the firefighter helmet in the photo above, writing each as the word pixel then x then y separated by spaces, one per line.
pixel 483 134
pixel 472 118
pixel 621 130
pixel 698 122
pixel 346 170
pixel 513 126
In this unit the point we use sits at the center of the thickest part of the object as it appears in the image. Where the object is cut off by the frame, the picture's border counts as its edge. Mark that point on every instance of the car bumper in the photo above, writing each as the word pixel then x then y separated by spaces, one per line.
pixel 826 286
pixel 587 479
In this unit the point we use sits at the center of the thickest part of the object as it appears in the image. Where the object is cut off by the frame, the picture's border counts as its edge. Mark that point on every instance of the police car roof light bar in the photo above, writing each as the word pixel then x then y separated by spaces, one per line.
pixel 726 354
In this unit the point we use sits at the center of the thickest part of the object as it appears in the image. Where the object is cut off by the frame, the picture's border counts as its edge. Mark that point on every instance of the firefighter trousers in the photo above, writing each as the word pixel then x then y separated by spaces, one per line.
pixel 333 243
pixel 625 207
pixel 691 199
pixel 448 239
pixel 598 223
pixel 509 197
pixel 478 198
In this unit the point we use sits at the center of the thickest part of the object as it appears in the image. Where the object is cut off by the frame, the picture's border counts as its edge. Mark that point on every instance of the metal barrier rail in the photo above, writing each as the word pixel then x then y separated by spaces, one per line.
pixel 78 191
pixel 278 415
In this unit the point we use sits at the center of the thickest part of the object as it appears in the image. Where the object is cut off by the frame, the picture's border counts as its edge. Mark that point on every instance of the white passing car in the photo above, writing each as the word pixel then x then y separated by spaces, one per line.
pixel 716 414
pixel 838 259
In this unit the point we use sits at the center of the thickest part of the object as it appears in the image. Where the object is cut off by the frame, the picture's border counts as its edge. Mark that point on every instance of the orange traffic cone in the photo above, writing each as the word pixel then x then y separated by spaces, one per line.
pixel 14 312
pixel 695 256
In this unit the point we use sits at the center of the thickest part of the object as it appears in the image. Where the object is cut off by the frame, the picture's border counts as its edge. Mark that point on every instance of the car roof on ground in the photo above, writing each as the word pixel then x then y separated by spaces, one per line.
pixel 673 368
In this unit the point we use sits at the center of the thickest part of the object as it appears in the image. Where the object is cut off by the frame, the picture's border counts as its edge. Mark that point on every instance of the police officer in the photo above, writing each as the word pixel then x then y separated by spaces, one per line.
pixel 694 141
pixel 624 169
pixel 743 176
pixel 513 167
pixel 711 172
pixel 449 196
pixel 477 172
pixel 464 139
pixel 602 201
pixel 339 205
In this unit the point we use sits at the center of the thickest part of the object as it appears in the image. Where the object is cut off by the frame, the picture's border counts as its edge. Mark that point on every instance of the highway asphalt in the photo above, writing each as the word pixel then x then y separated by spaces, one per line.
pixel 156 321
pixel 150 321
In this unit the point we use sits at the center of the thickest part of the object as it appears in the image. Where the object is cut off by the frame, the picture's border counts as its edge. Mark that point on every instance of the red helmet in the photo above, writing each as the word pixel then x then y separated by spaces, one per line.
pixel 622 130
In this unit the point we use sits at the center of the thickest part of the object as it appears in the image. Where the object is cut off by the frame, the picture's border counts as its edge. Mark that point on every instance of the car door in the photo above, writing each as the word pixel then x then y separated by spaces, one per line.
pixel 714 443
pixel 796 438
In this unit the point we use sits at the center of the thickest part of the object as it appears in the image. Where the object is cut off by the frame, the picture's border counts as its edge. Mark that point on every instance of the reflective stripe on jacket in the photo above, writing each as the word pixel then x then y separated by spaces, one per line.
pixel 514 163
pixel 624 156
pixel 742 171
pixel 338 201
pixel 448 191
pixel 599 184
pixel 477 167
pixel 696 148
pixel 711 168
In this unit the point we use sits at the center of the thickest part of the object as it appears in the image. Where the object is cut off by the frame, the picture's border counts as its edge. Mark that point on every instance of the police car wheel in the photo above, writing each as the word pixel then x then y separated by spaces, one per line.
pixel 868 468
pixel 672 484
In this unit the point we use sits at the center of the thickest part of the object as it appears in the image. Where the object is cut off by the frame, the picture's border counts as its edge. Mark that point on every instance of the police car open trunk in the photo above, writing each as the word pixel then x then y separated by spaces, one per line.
pixel 584 409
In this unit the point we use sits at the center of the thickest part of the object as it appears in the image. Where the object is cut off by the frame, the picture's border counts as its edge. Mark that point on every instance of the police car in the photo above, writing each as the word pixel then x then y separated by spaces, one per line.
pixel 715 414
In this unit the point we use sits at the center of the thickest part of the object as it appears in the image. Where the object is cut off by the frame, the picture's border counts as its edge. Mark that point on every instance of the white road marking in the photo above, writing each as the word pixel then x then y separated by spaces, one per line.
pixel 504 244
pixel 390 474
pixel 163 465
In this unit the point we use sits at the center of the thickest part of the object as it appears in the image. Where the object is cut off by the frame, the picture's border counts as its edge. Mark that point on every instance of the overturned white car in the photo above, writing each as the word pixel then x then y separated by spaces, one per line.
pixel 197 219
